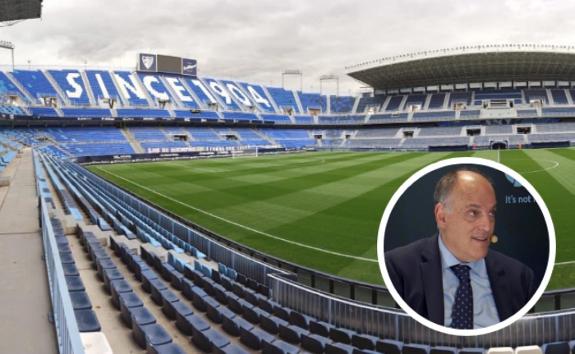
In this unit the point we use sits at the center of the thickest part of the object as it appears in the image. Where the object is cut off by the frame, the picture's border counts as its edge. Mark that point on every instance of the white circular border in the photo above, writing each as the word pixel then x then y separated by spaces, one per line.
pixel 468 161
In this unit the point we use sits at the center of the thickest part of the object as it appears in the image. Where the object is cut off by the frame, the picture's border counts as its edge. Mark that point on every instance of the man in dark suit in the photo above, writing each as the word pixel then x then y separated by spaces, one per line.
pixel 453 278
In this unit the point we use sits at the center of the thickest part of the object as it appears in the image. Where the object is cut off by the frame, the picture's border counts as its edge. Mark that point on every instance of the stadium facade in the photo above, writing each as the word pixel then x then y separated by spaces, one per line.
pixel 470 98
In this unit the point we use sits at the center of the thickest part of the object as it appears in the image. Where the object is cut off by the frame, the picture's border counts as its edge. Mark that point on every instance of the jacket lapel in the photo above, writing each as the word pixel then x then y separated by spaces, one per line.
pixel 499 287
pixel 430 266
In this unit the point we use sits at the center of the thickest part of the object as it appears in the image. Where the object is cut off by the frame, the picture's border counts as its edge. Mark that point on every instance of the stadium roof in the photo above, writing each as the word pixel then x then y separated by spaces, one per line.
pixel 488 63
pixel 13 10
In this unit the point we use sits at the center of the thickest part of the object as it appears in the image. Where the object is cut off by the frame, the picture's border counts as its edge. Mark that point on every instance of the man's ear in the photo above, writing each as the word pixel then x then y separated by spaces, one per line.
pixel 439 212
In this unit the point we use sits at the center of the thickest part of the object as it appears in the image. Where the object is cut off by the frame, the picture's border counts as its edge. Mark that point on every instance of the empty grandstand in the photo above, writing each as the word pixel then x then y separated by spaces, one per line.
pixel 123 261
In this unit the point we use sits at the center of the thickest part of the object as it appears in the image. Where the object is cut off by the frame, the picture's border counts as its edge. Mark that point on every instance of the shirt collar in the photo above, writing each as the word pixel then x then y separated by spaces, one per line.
pixel 448 260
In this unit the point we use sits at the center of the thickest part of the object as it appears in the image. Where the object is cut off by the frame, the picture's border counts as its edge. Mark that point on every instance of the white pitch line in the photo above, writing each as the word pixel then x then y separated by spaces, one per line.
pixel 241 225
pixel 564 263
pixel 555 165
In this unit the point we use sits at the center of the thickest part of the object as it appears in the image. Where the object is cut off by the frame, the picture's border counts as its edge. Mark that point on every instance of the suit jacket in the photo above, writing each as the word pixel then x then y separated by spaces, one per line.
pixel 415 271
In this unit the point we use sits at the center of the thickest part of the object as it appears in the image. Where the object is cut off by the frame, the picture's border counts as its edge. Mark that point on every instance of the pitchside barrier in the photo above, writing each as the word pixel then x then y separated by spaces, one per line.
pixel 397 325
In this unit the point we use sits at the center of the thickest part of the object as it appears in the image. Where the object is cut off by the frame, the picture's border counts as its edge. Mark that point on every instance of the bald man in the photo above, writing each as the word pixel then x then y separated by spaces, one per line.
pixel 453 278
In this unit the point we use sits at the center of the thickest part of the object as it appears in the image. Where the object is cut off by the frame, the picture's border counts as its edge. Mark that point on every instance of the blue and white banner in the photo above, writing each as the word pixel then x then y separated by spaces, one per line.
pixel 189 67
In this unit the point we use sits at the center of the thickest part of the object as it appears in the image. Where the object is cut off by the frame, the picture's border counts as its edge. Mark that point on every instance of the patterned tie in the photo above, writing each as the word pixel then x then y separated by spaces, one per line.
pixel 462 310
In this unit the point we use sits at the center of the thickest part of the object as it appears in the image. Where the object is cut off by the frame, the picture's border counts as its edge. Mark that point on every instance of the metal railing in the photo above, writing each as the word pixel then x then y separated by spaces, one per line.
pixel 394 324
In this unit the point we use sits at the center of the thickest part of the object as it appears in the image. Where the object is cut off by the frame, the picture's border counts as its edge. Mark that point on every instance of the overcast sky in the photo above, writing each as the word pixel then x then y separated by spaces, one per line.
pixel 256 40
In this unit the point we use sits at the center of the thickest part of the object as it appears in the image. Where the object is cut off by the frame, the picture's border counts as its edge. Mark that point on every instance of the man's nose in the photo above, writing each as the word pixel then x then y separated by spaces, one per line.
pixel 486 222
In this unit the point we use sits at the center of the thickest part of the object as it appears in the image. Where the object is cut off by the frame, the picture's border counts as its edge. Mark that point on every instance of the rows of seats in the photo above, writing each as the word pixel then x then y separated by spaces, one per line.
pixel 284 98
pixel 7 87
pixel 75 97
pixel 418 143
pixel 526 113
pixel 436 101
pixel 197 115
pixel 341 119
pixel 469 114
pixel 500 94
pixel 86 112
pixel 498 129
pixel 433 116
pixel 240 116
pixel 440 131
pixel 388 118
pixel 142 112
pixel 86 318
pixel 299 119
pixel 536 94
pixel 68 202
pixel 559 96
pixel 415 100
pixel 551 137
pixel 11 110
pixel 513 140
pixel 148 334
pixel 385 143
pixel 276 118
pixel 394 104
pixel 373 133
pixel 136 97
pixel 373 103
pixel 555 127
pixel 312 101
pixel 341 104
pixel 36 83
pixel 557 111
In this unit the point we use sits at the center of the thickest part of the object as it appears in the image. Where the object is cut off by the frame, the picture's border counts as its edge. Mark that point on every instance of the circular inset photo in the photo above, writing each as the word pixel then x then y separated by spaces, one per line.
pixel 466 246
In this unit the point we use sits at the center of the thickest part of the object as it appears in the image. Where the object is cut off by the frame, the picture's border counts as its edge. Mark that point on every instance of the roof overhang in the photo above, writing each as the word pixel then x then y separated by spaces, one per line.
pixel 14 10
pixel 469 65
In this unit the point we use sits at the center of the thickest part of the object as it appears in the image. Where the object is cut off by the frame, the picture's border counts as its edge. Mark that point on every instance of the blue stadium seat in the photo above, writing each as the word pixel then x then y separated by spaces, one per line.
pixel 118 287
pixel 389 346
pixel 168 348
pixel 209 339
pixel 173 309
pixel 80 300
pixel 87 320
pixel 271 323
pixel 410 348
pixel 150 335
pixel 341 335
pixel 364 341
pixel 338 348
pixel 314 343
pixel 278 346
pixel 234 324
pixel 188 323
pixel 141 316
pixel 230 349
pixel 255 338
pixel 129 301
pixel 556 348
pixel 443 350
pixel 291 334
pixel 74 283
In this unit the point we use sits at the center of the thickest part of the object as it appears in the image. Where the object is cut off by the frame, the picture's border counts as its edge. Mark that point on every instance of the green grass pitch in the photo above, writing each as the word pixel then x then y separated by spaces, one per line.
pixel 322 210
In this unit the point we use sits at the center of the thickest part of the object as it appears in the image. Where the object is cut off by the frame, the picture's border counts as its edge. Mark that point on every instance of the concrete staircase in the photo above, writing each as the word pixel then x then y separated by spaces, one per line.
pixel 133 141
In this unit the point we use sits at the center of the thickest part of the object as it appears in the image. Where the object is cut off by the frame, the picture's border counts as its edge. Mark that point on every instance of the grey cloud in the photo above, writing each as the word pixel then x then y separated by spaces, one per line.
pixel 255 40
